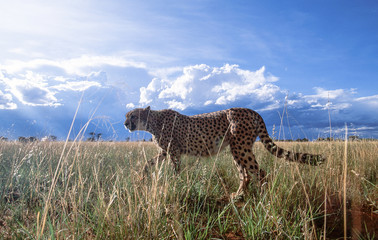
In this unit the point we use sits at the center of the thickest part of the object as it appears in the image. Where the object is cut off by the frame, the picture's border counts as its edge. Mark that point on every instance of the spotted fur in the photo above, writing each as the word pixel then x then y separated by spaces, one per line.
pixel 209 133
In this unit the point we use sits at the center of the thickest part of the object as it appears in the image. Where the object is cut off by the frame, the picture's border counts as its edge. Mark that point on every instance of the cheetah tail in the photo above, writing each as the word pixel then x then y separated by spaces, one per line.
pixel 306 158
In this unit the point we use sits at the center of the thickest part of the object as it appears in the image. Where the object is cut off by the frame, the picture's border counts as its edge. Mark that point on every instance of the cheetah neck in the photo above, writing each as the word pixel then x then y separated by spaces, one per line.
pixel 154 123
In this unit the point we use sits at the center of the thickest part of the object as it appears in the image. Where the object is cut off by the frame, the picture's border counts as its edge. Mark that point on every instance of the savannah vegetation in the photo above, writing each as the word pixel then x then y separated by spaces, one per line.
pixel 97 190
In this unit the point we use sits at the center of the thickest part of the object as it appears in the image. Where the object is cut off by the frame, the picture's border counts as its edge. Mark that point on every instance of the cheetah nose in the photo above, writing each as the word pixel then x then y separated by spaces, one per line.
pixel 128 129
pixel 129 126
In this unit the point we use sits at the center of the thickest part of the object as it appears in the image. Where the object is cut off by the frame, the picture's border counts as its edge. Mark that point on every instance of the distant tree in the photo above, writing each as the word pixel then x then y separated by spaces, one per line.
pixel 302 140
pixel 128 139
pixel 92 137
pixel 32 139
pixel 354 138
pixel 3 139
pixel 99 136
pixel 27 139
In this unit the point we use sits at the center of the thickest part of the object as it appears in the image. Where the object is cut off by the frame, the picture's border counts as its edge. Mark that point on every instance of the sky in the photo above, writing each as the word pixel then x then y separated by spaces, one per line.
pixel 310 68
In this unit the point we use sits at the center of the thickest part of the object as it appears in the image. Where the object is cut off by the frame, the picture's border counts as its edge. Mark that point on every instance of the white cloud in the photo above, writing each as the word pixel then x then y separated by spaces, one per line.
pixel 164 73
pixel 369 100
pixel 352 130
pixel 337 99
pixel 327 94
pixel 30 89
pixel 183 85
pixel 31 93
pixel 35 89
pixel 176 105
pixel 82 65
pixel 208 102
pixel 147 94
pixel 202 85
pixel 76 86
pixel 195 86
pixel 6 101
pixel 130 105
pixel 322 93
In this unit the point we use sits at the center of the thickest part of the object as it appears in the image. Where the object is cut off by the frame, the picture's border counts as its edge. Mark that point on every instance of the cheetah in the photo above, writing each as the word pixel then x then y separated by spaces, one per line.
pixel 207 134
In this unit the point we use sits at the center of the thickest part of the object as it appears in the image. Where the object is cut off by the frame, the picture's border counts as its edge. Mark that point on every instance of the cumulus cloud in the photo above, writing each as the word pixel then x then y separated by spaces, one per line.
pixel 30 89
pixel 202 85
pixel 6 101
pixel 193 88
pixel 46 82
pixel 35 89
pixel 199 86
pixel 130 105
pixel 149 93
pixel 239 83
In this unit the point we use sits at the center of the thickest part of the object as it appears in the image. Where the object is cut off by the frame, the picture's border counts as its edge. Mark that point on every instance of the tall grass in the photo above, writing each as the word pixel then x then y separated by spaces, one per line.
pixel 101 193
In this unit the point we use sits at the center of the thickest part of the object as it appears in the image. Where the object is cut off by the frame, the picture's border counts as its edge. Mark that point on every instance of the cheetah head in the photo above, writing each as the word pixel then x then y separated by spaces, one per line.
pixel 137 119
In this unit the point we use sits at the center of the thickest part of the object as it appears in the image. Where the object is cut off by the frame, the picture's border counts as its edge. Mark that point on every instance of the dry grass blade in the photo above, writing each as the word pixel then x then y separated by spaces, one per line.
pixel 58 168
pixel 345 169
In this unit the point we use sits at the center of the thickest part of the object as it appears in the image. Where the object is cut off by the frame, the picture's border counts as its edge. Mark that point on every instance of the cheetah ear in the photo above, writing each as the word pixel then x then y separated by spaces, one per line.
pixel 147 108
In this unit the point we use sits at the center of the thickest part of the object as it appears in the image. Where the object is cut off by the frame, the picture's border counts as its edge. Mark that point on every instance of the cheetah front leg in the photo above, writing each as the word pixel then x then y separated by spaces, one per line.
pixel 175 159
pixel 157 159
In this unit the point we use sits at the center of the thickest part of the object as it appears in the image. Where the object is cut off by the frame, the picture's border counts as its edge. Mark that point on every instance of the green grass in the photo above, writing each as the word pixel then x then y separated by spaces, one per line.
pixel 97 191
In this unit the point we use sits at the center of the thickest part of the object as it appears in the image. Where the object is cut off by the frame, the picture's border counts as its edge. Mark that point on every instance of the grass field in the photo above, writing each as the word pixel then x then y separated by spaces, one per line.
pixel 97 191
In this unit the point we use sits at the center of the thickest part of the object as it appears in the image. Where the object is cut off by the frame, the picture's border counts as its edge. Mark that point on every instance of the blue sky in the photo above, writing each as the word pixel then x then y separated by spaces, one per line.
pixel 307 59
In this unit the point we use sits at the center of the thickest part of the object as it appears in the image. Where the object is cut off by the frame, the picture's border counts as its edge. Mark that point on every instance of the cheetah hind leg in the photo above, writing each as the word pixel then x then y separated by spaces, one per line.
pixel 247 165
pixel 244 179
